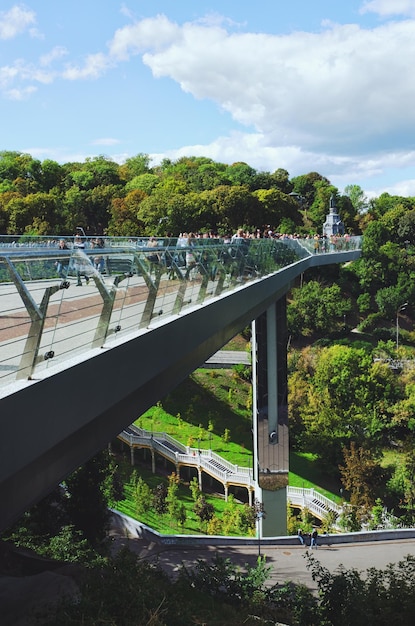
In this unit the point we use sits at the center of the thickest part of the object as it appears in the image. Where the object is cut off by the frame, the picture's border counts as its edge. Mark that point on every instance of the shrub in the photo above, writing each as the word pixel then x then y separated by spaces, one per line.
pixel 370 322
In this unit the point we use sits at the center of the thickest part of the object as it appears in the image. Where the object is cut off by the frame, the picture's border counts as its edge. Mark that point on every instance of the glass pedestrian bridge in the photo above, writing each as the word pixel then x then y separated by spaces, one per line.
pixel 58 304
pixel 95 333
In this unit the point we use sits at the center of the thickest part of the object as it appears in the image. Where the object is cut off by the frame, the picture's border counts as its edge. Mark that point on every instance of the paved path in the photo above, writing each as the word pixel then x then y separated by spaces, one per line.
pixel 287 562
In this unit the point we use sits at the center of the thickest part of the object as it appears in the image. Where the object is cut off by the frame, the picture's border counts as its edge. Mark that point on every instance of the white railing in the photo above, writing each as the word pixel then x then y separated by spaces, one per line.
pixel 224 471
pixel 311 499
pixel 211 462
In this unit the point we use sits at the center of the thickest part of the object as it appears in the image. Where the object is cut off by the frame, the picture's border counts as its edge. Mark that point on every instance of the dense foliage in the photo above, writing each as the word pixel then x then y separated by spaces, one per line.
pixel 128 591
pixel 191 194
pixel 72 523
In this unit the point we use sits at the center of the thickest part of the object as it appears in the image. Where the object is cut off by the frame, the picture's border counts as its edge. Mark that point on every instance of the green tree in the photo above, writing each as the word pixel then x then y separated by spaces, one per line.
pixel 194 488
pixel 346 397
pixel 360 476
pixel 315 308
pixel 51 175
pixel 124 220
pixel 389 300
pixel 305 186
pixel 203 509
pixel 241 174
pixel 142 497
pixel 276 207
pixel 357 197
pixel 143 182
pixel 137 165
pixel 159 499
pixel 235 206
pixel 281 180
pixel 105 171
pixel 172 499
pixel 321 202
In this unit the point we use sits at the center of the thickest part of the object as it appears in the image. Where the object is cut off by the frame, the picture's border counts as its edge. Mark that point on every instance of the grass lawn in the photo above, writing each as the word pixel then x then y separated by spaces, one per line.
pixel 163 523
pixel 209 409
pixel 305 471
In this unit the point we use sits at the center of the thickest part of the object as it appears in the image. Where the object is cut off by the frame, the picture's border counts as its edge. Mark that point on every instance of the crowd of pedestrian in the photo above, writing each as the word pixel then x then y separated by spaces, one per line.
pixel 185 245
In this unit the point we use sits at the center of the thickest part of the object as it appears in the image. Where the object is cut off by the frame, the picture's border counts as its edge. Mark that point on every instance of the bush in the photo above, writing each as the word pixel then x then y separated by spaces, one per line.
pixel 244 372
pixel 370 322
pixel 384 333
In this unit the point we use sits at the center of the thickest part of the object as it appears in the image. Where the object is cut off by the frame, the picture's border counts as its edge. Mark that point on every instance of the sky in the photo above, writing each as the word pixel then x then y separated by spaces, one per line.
pixel 323 86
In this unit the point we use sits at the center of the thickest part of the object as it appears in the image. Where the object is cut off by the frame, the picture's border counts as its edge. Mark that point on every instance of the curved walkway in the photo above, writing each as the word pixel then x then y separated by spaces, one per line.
pixel 288 561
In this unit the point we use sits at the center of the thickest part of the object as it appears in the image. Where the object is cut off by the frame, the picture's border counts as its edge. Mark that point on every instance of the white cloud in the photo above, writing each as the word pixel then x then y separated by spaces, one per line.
pixel 387 8
pixel 343 89
pixel 155 33
pixel 20 94
pixel 95 66
pixel 405 188
pixel 22 73
pixel 7 75
pixel 57 53
pixel 15 21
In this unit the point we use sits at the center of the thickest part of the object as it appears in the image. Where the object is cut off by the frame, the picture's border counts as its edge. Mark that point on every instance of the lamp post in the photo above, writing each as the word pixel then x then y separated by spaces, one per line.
pixel 259 515
pixel 400 308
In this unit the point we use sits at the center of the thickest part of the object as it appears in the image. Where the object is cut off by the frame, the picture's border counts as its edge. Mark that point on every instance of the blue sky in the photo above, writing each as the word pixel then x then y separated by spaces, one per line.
pixel 305 85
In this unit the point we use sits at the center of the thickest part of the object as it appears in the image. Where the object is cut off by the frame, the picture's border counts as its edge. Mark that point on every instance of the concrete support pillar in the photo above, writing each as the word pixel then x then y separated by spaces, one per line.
pixel 270 424
pixel 199 476
pixel 271 371
pixel 153 461
pixel 132 455
pixel 226 492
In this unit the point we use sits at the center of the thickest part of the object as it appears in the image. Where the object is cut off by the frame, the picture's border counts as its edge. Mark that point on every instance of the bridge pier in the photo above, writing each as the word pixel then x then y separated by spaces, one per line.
pixel 270 417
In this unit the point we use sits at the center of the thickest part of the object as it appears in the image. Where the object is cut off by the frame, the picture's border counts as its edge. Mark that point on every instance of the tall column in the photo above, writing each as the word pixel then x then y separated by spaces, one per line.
pixel 270 423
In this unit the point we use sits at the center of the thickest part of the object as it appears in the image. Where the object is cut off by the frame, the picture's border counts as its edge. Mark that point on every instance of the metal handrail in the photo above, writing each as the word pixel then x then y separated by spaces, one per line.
pixel 47 319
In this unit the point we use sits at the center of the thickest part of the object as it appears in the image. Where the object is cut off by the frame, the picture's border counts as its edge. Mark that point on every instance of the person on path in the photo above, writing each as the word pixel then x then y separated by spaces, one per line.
pixel 62 264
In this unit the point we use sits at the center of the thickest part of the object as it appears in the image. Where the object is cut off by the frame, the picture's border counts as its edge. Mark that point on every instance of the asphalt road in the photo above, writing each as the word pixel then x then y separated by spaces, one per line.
pixel 288 563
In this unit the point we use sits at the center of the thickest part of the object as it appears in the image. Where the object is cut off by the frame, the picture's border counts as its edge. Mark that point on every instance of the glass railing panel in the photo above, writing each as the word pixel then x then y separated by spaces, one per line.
pixel 55 304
